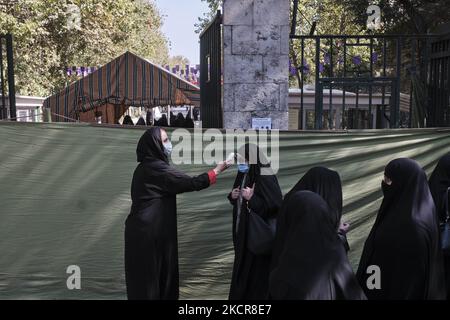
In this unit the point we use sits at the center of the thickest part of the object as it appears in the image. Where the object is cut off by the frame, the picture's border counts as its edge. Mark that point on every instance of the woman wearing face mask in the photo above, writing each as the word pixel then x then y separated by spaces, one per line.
pixel 151 251
pixel 327 184
pixel 255 191
pixel 312 263
pixel 439 184
pixel 404 241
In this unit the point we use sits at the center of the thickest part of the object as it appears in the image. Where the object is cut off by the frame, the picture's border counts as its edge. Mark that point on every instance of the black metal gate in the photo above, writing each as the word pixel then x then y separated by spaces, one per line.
pixel 370 81
pixel 439 83
pixel 360 81
pixel 211 74
pixel 7 74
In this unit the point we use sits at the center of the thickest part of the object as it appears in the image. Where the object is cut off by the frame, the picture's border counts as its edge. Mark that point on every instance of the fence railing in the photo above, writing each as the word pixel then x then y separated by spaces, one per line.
pixel 361 81
pixel 439 82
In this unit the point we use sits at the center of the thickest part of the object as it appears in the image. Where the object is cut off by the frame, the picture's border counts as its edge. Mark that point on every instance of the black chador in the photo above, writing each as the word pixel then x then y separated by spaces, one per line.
pixel 151 251
pixel 404 240
pixel 251 272
pixel 312 262
pixel 439 183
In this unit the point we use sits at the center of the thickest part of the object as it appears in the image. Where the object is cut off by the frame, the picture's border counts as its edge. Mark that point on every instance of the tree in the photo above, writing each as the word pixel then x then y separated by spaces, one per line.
pixel 178 60
pixel 207 17
pixel 50 35
pixel 328 17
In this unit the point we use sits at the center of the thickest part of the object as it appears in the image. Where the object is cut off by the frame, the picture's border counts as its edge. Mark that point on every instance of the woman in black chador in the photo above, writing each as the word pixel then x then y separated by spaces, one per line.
pixel 188 123
pixel 127 121
pixel 162 122
pixel 327 184
pixel 439 183
pixel 255 191
pixel 404 241
pixel 140 122
pixel 312 262
pixel 179 121
pixel 151 251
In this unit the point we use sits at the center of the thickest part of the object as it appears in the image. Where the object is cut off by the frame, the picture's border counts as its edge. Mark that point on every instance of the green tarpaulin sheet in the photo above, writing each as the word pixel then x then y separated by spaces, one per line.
pixel 65 194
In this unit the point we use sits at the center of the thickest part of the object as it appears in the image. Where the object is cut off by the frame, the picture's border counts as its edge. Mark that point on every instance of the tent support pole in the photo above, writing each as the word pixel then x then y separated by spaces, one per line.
pixel 168 115
pixel 47 115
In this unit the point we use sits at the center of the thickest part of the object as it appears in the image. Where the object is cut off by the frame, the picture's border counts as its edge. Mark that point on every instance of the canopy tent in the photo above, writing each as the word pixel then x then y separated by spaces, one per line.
pixel 126 81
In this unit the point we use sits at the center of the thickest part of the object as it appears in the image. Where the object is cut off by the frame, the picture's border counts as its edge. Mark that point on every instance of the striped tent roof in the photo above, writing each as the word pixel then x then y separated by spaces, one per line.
pixel 128 80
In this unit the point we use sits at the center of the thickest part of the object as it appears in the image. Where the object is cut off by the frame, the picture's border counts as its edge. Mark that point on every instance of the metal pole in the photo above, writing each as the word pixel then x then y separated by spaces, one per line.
pixel 330 107
pixel 397 92
pixel 412 74
pixel 344 119
pixel 448 90
pixel 11 86
pixel 3 112
pixel 302 72
pixel 370 85
pixel 318 106
pixel 383 88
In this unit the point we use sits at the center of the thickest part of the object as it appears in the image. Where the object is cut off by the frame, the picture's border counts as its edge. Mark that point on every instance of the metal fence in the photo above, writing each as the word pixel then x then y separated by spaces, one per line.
pixel 211 74
pixel 360 81
pixel 371 81
pixel 439 82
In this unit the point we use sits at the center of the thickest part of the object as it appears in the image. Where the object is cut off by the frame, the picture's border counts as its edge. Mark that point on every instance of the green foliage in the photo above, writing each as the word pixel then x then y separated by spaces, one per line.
pixel 46 42
pixel 178 60
pixel 207 17
pixel 331 17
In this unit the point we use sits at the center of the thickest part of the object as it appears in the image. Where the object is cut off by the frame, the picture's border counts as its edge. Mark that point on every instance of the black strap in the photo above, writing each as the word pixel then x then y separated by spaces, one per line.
pixel 239 203
pixel 447 214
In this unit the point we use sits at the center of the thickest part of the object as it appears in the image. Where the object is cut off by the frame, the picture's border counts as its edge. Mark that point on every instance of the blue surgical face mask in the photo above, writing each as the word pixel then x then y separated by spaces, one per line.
pixel 167 148
pixel 243 167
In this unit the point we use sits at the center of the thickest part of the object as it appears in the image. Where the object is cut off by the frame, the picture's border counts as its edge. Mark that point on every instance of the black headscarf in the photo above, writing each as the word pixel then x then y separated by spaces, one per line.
pixel 127 120
pixel 196 113
pixel 149 118
pixel 251 272
pixel 188 123
pixel 140 122
pixel 150 146
pixel 180 120
pixel 269 188
pixel 162 122
pixel 173 119
pixel 327 184
pixel 312 264
pixel 439 183
pixel 404 241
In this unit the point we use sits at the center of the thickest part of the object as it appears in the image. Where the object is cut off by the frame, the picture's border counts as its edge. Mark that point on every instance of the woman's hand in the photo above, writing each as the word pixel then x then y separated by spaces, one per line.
pixel 235 193
pixel 247 193
pixel 222 166
pixel 343 227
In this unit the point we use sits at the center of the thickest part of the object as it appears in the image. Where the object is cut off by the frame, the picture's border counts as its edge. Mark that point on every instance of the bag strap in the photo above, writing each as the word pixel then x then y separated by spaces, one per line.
pixel 239 203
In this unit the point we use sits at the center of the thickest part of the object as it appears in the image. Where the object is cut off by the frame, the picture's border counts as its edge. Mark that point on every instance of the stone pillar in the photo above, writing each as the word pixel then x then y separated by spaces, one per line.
pixel 255 62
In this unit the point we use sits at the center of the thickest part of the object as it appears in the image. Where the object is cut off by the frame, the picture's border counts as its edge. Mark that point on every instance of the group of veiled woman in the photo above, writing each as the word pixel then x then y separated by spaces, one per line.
pixel 178 121
pixel 307 258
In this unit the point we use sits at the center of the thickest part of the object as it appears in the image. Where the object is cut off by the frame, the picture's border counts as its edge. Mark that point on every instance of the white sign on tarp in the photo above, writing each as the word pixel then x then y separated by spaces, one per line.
pixel 261 123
